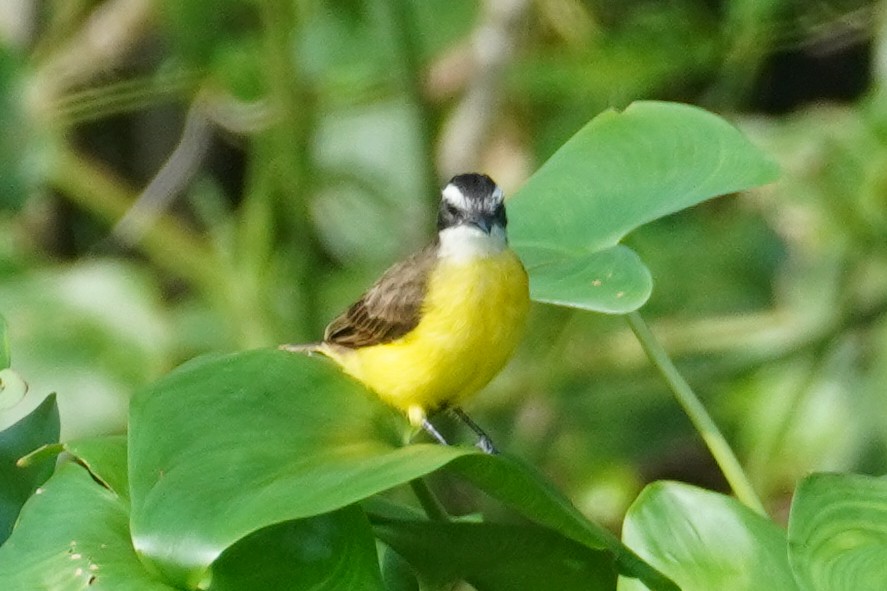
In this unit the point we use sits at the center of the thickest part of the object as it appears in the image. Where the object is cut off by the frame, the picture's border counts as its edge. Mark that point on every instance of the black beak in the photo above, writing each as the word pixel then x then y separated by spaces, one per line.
pixel 486 225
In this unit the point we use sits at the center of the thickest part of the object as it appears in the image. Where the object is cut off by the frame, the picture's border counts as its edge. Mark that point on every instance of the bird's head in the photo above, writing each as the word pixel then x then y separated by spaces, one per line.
pixel 472 200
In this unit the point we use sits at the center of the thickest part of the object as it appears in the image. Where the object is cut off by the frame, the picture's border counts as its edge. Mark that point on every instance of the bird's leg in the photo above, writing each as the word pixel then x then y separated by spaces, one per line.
pixel 429 428
pixel 483 440
pixel 418 418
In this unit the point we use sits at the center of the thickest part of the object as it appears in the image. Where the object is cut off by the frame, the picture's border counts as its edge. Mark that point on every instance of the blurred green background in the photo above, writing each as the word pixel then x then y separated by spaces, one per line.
pixel 185 176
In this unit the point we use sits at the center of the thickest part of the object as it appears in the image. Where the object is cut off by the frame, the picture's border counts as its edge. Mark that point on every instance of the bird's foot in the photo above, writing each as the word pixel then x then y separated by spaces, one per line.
pixel 485 444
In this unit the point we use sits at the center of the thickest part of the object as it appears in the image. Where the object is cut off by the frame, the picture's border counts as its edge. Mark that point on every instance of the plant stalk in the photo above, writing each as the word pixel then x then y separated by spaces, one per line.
pixel 700 418
pixel 434 509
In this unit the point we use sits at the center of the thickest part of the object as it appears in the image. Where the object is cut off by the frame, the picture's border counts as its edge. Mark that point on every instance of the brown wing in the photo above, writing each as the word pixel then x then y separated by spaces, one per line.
pixel 389 309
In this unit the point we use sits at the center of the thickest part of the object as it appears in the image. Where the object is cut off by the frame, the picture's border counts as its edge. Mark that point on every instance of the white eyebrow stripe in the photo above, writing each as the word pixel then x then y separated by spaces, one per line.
pixel 454 196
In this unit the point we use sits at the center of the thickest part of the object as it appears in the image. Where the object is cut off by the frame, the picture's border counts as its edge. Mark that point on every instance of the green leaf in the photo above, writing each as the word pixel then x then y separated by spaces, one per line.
pixel 105 458
pixel 260 437
pixel 704 540
pixel 73 536
pixel 17 484
pixel 265 436
pixel 837 532
pixel 620 171
pixel 613 280
pixel 521 487
pixel 332 551
pixel 497 557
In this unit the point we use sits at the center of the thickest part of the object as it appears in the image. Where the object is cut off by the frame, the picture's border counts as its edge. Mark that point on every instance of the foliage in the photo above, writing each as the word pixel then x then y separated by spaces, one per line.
pixel 279 435
pixel 703 540
pixel 619 172
pixel 279 148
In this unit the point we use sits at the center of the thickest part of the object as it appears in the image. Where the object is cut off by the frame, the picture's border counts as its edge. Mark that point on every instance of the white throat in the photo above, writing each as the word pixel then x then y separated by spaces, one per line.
pixel 463 242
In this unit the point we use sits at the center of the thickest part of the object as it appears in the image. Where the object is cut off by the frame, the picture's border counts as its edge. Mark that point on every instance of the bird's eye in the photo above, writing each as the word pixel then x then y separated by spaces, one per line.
pixel 452 209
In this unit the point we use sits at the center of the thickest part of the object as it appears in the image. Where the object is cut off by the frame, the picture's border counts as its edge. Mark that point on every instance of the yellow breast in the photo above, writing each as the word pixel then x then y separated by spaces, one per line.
pixel 472 319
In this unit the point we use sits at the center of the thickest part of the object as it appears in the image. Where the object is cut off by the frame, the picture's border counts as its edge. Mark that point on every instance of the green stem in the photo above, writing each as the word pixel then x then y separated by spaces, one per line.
pixel 700 418
pixel 429 501
pixel 98 102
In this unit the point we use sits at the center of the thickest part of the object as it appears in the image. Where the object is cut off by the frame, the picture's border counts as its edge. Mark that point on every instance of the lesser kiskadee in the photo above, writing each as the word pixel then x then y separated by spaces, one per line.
pixel 439 325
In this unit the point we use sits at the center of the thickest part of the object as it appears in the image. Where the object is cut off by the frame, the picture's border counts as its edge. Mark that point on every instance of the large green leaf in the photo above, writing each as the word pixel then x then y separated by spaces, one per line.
pixel 259 437
pixel 496 557
pixel 39 428
pixel 704 540
pixel 837 532
pixel 264 437
pixel 334 552
pixel 73 536
pixel 619 172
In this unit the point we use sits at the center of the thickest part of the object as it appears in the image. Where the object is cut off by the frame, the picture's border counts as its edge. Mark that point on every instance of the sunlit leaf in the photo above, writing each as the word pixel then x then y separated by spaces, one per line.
pixel 260 437
pixel 620 171
pixel 704 541
pixel 837 532
pixel 18 483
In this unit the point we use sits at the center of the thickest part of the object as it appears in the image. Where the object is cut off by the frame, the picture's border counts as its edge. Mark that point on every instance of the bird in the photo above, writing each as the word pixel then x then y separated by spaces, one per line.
pixel 436 327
